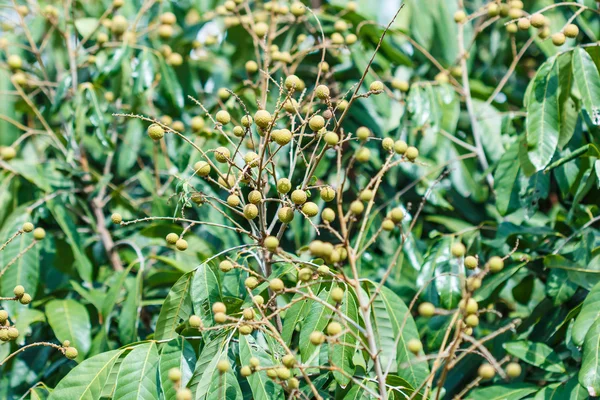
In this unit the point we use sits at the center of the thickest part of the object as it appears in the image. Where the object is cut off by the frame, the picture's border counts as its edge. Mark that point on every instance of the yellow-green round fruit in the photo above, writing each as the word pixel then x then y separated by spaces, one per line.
pixel 327 193
pixel 512 28
pixel 7 153
pixel 538 21
pixel 544 33
pixel 281 136
pixel 156 132
pixel 414 346
pixel 290 105
pixel 271 243
pixel 299 196
pixel 276 285
pixel 376 86
pixel 248 313
pixel 245 371
pixel 513 370
pixel 471 307
pixel 323 270
pixel 363 133
pixel 571 31
pixel 412 153
pixel 334 328
pixel 366 195
pixel 223 94
pixel 250 211
pixel 493 10
pixel 458 249
pixel 363 155
pixel 172 238
pixel 471 262
pixel 496 264
pixel 317 338
pixel 316 123
pixel 486 371
pixel 262 118
pixel 178 126
pixel 288 360
pixel 116 218
pixel 292 82
pixel 473 283
pixel 331 138
pixel 251 67
pixel 202 168
pixel 337 294
pixel 472 321
pixel 71 353
pixel 233 200
pixel 305 274
pixel 387 144
pixel 342 105
pixel 223 366
pixel 25 299
pixel 181 244
pixel 184 394
pixel 322 92
pixel 357 207
pixel 310 209
pixel 258 300
pixel 14 61
pixel 219 307
pixel 515 13
pixel 220 317
pixel 254 197
pixel 4 335
pixel 223 117
pixel 460 17
pixel 426 309
pixel 238 131
pixel 3 316
pixel 284 185
pixel 272 373
pixel 297 9
pixel 388 225
pixel 400 85
pixel 19 290
pixel 19 78
pixel 168 18
pixel 225 265
pixel 261 29
pixel 254 362
pixel 175 375
pixel 28 227
pixel 222 154
pixel 39 233
pixel 12 333
pixel 328 215
pixel 285 214
pixel 165 31
pixel 340 25
pixel 195 321
pixel 396 215
pixel 351 38
pixel 524 24
pixel 337 38
pixel 558 39
pixel 119 25
pixel 251 282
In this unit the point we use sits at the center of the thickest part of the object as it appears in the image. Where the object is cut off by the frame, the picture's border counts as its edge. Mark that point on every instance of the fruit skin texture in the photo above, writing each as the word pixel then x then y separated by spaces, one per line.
pixel 284 185
pixel 299 197
pixel 3 316
pixel 116 218
pixel 496 264
pixel 250 211
pixel 202 168
pixel 357 207
pixel 316 123
pixel 262 118
pixel 19 291
pixel 426 309
pixel 71 353
pixel 376 86
pixel 513 370
pixel 310 209
pixel 285 215
pixel 322 92
pixel 27 227
pixel 327 193
pixel 571 31
pixel 172 238
pixel 363 133
pixel 317 338
pixel 558 39
pixel 181 244
pixel 486 371
pixel 334 328
pixel 337 294
pixel 25 299
pixel 396 215
pixel 472 320
pixel 225 265
pixel 460 17
pixel 281 136
pixel 276 285
pixel 458 249
pixel 195 321
pixel 538 20
pixel 175 375
pixel 222 154
pixel 363 155
pixel 415 346
pixel 471 262
pixel 156 132
pixel 328 215
pixel 223 366
pixel 412 153
pixel 271 243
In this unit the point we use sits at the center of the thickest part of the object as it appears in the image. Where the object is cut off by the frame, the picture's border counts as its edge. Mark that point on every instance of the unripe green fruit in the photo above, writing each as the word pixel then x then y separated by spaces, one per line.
pixel 316 123
pixel 472 320
pixel 254 197
pixel 366 195
pixel 516 4
pixel 415 346
pixel 471 306
pixel 222 154
pixel 496 264
pixel 4 335
pixel 258 300
pixel 342 105
pixel 13 333
pixel 254 362
pixel 66 343
pixel 289 360
pixel 220 317
pixel 116 218
pixel 248 314
pixel 168 18
pixel 195 321
pixel 513 370
pixel 251 67
pixel 284 185
pixel 363 133
pixel 328 215
pixel 283 373
pixel 165 31
pixel 571 31
pixel 538 20
pixel 172 238
pixel 322 92
pixel 363 155
pixel 223 95
pixel 285 215
pixel 25 299
pixel 262 118
pixel 317 338
pixel 3 316
pixel 271 373
pixel 351 38
pixel 493 9
pixel 225 265
pixel 297 9
pixel 245 329
pixel 251 159
pixel 230 180
pixel 305 274
pixel 251 282
pixel 271 243
pixel 281 136
pixel 400 85
pixel 245 371
pixel 27 227
pixel 512 28
pixel 219 307
pixel 458 249
pixel 396 215
pixel 327 193
pixel 310 209
pixel 486 371
pixel 357 207
pixel 7 153
pixel 156 132
pixel 388 225
pixel 471 262
pixel 250 211
pixel 202 168
pixel 118 25
pixel 292 82
pixel 544 33
pixel 334 328
pixel 223 366
pixel 184 394
pixel 524 24
pixel 238 131
pixel 261 29
pixel 376 86
pixel 233 200
pixel 387 144
pixel 19 290
pixel 323 270
pixel 515 13
pixel 299 196
pixel 14 61
pixel 175 375
pixel 473 283
pixel 460 17
pixel 276 285
pixel 332 138
pixel 71 353
pixel 181 244
pixel 426 309
pixel 336 38
pixel 20 79
pixel 412 153
pixel 337 294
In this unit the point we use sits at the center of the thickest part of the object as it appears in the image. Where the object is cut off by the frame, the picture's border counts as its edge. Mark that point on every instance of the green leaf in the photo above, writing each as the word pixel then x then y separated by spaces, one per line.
pixel 571 390
pixel 206 366
pixel 316 320
pixel 513 391
pixel 137 377
pixel 543 115
pixel 170 84
pixel 224 387
pixel 70 321
pixel 177 353
pixel 341 354
pixel 296 313
pixel 588 82
pixel 86 380
pixel 590 311
pixel 263 387
pixel 177 307
pixel 506 182
pixel 560 287
pixel 535 353
pixel 589 374
pixel 205 291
